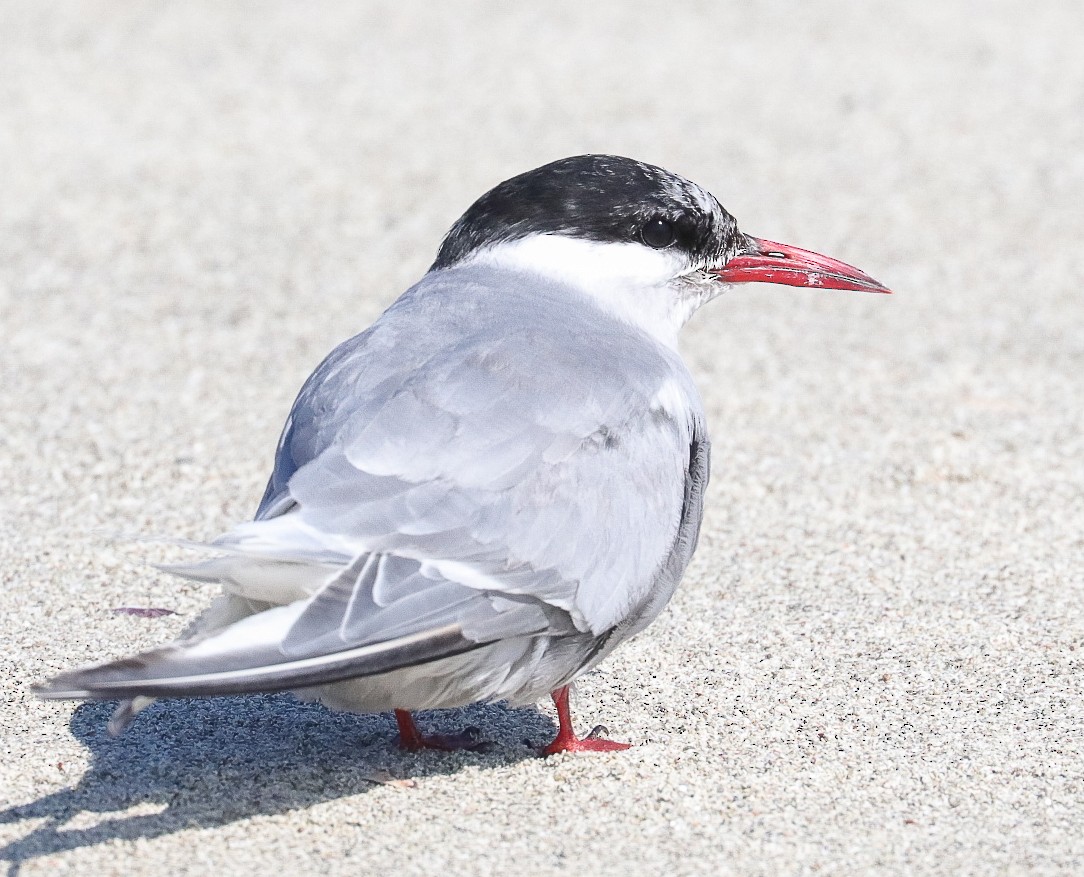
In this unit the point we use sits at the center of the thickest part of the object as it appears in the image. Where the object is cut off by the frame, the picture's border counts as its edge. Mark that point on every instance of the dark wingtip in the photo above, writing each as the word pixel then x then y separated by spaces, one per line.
pixel 96 682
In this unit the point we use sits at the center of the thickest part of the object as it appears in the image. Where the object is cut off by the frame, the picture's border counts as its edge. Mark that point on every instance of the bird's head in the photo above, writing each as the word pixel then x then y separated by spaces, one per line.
pixel 646 244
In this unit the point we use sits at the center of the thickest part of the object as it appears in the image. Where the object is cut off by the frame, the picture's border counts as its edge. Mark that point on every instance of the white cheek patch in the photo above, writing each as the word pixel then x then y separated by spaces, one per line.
pixel 587 263
pixel 629 280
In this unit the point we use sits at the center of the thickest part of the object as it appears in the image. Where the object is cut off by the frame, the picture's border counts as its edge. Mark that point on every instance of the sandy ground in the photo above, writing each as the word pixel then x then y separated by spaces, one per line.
pixel 875 662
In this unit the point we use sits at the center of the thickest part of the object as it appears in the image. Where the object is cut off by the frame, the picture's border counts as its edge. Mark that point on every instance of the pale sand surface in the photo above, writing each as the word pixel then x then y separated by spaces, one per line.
pixel 875 663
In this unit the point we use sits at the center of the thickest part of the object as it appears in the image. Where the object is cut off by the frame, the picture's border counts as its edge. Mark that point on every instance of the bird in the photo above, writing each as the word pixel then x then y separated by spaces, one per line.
pixel 482 495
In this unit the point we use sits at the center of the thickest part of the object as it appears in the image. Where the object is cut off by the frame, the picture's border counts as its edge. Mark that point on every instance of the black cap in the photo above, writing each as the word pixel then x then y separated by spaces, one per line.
pixel 600 198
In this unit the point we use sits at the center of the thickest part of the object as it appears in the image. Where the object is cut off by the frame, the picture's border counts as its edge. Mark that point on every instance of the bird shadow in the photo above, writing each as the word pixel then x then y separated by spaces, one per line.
pixel 209 762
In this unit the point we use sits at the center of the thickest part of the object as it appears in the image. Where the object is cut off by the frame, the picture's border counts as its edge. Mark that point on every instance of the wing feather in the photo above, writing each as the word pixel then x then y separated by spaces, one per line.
pixel 490 460
pixel 564 483
pixel 340 633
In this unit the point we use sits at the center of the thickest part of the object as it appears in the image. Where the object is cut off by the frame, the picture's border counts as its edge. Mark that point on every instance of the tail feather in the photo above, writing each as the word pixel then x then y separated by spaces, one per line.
pixel 193 670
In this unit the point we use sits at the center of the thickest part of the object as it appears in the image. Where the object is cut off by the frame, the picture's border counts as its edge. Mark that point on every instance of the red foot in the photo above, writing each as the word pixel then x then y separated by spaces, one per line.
pixel 567 741
pixel 412 739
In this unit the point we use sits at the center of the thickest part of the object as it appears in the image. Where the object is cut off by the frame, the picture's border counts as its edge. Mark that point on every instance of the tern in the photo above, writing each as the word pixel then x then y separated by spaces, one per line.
pixel 487 491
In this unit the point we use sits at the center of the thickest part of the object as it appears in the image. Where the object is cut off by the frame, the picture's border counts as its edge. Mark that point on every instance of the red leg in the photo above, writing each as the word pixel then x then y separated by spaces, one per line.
pixel 412 739
pixel 566 739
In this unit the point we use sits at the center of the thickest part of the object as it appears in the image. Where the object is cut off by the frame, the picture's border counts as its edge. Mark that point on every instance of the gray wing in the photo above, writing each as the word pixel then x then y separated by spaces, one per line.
pixel 327 639
pixel 486 461
pixel 512 441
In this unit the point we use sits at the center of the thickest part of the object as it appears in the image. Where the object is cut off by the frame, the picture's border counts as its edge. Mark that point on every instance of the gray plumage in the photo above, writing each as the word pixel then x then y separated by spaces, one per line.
pixel 488 485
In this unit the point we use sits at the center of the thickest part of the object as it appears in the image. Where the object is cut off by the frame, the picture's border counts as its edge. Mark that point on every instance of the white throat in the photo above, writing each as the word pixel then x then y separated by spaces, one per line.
pixel 648 288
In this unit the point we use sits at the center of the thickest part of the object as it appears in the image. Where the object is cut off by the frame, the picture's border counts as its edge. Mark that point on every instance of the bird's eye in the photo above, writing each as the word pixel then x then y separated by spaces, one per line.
pixel 657 233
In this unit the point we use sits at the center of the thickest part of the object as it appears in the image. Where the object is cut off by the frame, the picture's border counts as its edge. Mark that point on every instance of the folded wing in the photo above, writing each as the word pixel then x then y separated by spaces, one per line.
pixel 485 462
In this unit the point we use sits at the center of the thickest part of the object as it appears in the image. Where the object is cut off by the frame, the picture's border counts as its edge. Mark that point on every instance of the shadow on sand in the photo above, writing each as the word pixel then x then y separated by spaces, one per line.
pixel 202 763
